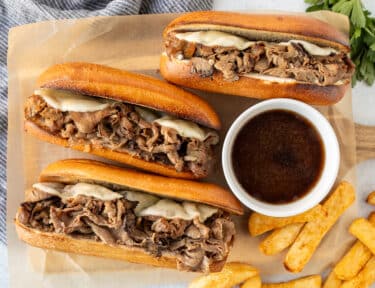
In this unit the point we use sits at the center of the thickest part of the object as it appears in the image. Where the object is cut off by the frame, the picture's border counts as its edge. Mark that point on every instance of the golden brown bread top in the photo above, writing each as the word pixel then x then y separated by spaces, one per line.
pixel 103 81
pixel 180 73
pixel 72 170
pixel 265 27
pixel 122 157
pixel 65 243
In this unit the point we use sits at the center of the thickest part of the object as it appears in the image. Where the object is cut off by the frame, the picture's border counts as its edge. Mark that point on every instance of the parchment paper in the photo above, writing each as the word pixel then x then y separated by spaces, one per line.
pixel 132 43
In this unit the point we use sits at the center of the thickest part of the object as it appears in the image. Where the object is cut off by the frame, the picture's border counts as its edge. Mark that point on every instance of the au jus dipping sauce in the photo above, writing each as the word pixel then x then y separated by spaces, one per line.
pixel 278 156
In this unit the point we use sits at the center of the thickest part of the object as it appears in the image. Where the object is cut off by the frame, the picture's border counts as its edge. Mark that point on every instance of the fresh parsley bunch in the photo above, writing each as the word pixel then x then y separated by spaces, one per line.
pixel 362 34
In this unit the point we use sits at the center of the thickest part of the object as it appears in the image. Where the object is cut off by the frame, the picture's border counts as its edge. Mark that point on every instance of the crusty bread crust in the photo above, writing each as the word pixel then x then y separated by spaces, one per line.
pixel 122 157
pixel 73 170
pixel 107 82
pixel 180 73
pixel 66 243
pixel 266 27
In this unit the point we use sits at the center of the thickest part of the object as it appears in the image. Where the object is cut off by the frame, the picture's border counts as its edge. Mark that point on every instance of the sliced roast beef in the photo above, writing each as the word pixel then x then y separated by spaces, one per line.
pixel 202 66
pixel 279 60
pixel 120 128
pixel 194 244
pixel 86 122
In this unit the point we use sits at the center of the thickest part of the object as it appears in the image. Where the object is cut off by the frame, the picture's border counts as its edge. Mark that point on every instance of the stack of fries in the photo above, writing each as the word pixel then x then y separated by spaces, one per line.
pixel 356 269
pixel 303 232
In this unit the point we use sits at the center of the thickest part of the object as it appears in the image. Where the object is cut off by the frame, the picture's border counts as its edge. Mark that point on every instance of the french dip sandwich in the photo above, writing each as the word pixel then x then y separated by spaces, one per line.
pixel 130 118
pixel 258 55
pixel 88 207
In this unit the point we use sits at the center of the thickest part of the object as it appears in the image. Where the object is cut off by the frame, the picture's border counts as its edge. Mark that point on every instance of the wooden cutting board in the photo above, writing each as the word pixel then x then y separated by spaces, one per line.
pixel 365 139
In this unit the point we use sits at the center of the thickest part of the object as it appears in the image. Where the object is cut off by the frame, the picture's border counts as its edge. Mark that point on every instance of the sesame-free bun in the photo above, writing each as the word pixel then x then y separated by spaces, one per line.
pixel 257 27
pixel 75 170
pixel 107 82
pixel 71 171
pixel 179 72
pixel 66 243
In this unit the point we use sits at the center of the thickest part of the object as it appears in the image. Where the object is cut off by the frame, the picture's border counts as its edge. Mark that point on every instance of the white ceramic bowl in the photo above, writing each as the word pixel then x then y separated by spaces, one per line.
pixel 330 167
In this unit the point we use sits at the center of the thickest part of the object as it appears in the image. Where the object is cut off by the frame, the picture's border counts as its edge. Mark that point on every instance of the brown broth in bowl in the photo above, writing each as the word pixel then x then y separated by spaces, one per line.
pixel 278 156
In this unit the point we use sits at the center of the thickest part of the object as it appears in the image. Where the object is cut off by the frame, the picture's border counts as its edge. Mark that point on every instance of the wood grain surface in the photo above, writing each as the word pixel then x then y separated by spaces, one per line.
pixel 365 138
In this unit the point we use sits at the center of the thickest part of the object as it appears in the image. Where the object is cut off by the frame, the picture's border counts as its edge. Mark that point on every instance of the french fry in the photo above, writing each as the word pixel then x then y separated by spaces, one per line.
pixel 371 198
pixel 259 223
pixel 332 281
pixel 355 259
pixel 371 217
pixel 280 239
pixel 365 232
pixel 314 281
pixel 254 282
pixel 364 278
pixel 313 232
pixel 231 275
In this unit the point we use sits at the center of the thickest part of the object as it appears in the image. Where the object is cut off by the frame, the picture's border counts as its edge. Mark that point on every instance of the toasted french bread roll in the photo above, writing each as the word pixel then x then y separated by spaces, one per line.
pixel 258 55
pixel 131 118
pixel 88 207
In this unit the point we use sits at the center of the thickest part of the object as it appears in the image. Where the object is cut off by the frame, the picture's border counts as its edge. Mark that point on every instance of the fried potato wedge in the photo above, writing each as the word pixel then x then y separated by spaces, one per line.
pixel 232 274
pixel 371 198
pixel 254 282
pixel 355 259
pixel 364 278
pixel 365 232
pixel 332 281
pixel 313 232
pixel 280 239
pixel 259 223
pixel 313 281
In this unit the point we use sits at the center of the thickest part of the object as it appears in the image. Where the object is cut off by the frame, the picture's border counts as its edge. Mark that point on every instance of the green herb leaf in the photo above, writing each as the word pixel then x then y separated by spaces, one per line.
pixel 358 17
pixel 332 2
pixel 315 8
pixel 357 33
pixel 362 35
pixel 343 8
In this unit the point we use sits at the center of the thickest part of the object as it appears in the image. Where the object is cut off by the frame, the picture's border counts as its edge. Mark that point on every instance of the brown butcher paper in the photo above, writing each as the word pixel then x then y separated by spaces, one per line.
pixel 133 43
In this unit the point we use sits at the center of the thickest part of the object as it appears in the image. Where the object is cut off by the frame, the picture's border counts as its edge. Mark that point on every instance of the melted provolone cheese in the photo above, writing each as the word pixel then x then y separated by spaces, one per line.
pixel 269 78
pixel 186 210
pixel 148 204
pixel 223 39
pixel 69 101
pixel 215 38
pixel 71 191
pixel 312 49
pixel 144 200
pixel 146 113
pixel 273 79
pixel 52 188
pixel 183 127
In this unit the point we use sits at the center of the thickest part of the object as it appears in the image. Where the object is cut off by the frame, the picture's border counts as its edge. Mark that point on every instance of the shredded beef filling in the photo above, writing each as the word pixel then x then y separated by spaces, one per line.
pixel 196 245
pixel 120 128
pixel 285 61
